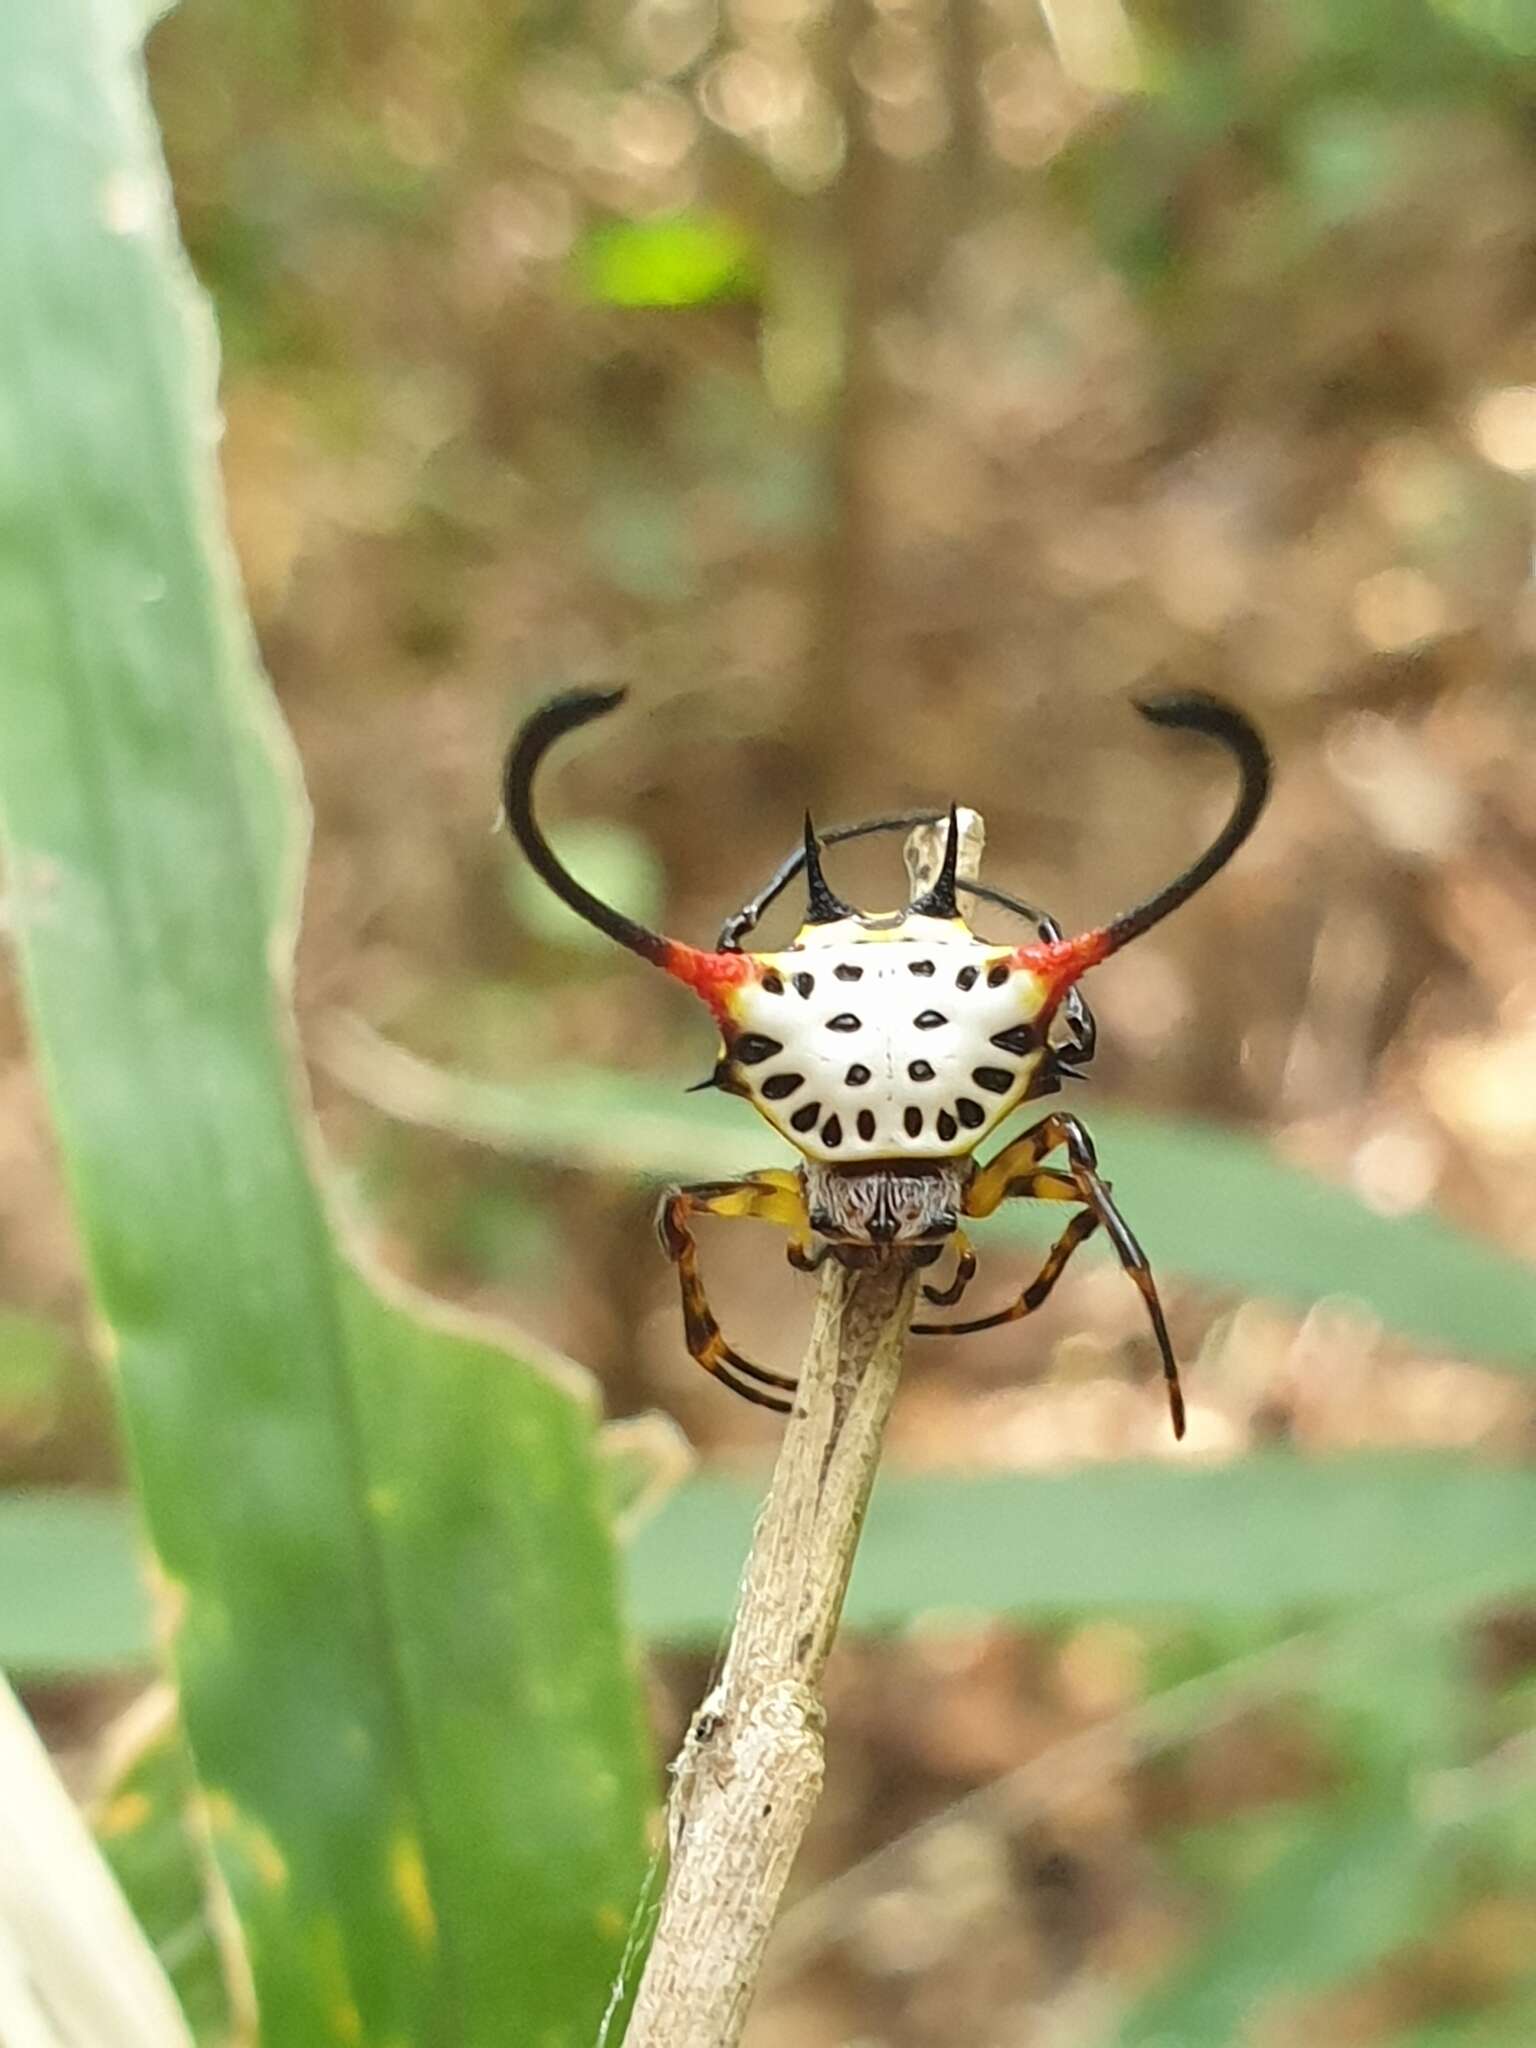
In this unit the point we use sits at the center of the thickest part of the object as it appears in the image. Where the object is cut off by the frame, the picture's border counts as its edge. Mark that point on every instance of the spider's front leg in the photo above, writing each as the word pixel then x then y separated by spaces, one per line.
pixel 964 1274
pixel 1016 1172
pixel 771 1197
pixel 803 1258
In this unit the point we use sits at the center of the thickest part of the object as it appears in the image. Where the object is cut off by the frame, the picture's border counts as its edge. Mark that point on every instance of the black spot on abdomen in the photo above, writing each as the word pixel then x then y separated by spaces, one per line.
pixel 867 1125
pixel 805 1116
pixel 752 1047
pixel 970 1113
pixel 912 1122
pixel 832 1134
pixel 777 1086
pixel 948 1128
pixel 1018 1038
pixel 845 1020
pixel 996 1080
pixel 929 1020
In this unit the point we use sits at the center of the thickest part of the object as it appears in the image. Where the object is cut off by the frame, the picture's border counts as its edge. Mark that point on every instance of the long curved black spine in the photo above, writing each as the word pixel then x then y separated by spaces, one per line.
pixel 1194 711
pixel 538 733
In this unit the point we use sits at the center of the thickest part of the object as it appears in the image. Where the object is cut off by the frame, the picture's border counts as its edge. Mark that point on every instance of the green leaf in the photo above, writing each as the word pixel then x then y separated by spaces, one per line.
pixel 1203 1201
pixel 1268 1538
pixel 391 1593
pixel 678 259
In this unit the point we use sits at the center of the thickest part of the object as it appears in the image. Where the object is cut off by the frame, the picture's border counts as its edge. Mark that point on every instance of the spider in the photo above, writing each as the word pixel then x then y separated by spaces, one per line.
pixel 887 1047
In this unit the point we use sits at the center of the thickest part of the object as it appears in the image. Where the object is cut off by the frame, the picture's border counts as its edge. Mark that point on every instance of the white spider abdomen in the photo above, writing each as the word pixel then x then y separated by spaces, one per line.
pixel 859 1044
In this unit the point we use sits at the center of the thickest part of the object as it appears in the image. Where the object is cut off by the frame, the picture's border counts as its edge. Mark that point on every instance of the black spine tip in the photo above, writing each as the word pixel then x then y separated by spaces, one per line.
pixel 1195 711
pixel 538 733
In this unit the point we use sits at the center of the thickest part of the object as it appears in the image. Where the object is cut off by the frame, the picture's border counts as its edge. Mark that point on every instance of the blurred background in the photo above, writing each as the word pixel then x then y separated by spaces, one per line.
pixel 889 392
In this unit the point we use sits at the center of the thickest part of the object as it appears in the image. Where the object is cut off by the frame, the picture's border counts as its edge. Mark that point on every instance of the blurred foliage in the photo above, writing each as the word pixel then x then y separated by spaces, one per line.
pixel 681 260
pixel 888 391
pixel 617 864
pixel 35 1359
pixel 74 1593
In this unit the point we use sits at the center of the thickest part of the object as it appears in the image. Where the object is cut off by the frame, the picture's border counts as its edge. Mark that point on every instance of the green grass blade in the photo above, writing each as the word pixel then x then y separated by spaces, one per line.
pixel 1204 1202
pixel 391 1588
pixel 1267 1538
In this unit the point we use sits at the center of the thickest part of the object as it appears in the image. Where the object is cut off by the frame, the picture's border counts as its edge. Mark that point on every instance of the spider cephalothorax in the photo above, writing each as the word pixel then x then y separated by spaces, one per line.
pixel 886 1047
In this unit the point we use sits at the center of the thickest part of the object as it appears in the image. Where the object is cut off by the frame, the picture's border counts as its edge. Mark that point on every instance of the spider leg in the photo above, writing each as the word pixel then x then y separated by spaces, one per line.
pixel 771 1196
pixel 1015 1171
pixel 964 1274
pixel 805 1260
pixel 1081 1227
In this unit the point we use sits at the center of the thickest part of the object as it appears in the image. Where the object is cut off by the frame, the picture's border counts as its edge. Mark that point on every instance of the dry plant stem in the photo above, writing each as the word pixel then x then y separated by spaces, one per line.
pixel 749 1773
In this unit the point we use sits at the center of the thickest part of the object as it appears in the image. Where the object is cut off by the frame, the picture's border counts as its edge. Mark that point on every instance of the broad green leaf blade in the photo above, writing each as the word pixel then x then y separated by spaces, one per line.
pixel 1269 1538
pixel 389 1575
pixel 1204 1202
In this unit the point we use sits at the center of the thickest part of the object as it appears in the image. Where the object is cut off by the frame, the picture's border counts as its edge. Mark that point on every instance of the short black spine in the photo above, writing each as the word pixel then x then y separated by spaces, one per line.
pixel 822 907
pixel 939 901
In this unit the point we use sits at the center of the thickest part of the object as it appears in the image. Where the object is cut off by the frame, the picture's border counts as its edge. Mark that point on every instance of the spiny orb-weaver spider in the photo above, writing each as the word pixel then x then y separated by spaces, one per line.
pixel 886 1048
